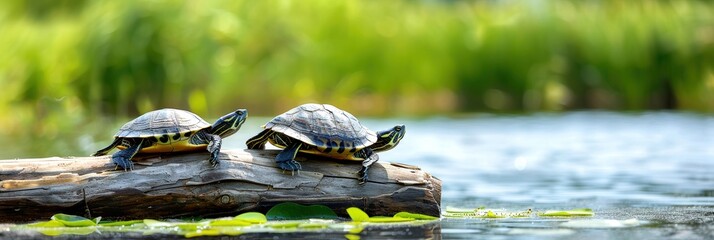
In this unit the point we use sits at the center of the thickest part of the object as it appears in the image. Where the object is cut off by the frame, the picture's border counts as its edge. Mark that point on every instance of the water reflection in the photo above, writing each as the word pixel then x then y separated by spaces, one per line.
pixel 654 157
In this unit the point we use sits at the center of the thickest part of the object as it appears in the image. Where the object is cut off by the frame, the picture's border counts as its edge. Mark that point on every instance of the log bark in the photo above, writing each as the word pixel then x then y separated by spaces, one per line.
pixel 184 185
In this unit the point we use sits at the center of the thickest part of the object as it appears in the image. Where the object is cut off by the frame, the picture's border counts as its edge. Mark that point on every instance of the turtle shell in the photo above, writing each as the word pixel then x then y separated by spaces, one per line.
pixel 323 125
pixel 160 122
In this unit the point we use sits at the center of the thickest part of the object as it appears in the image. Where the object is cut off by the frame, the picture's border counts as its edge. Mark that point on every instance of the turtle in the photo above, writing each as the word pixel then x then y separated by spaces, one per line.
pixel 325 130
pixel 171 130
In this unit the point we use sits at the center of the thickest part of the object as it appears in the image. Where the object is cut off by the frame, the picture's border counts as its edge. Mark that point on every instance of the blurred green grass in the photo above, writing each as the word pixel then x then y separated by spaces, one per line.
pixel 66 64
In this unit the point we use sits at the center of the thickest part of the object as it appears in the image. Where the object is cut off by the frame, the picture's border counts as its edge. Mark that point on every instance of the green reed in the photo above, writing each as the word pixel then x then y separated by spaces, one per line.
pixel 65 63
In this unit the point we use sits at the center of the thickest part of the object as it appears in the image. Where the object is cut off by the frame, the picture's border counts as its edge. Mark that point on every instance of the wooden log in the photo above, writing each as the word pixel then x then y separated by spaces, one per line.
pixel 184 185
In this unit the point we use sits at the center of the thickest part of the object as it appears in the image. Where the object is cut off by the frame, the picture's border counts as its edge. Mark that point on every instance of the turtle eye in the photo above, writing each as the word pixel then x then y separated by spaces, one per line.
pixel 398 128
pixel 239 113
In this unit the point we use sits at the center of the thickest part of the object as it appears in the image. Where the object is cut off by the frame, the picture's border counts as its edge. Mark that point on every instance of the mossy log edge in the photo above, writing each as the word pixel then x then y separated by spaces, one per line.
pixel 185 186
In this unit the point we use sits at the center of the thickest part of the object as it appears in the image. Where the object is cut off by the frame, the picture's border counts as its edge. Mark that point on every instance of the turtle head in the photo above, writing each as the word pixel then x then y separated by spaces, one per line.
pixel 230 123
pixel 389 139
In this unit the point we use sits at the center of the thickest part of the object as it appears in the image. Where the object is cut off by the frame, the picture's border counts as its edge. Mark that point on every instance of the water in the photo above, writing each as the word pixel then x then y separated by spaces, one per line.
pixel 654 158
pixel 655 167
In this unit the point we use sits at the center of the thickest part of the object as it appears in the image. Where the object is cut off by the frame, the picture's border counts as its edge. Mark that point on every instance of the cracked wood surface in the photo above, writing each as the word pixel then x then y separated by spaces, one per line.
pixel 177 186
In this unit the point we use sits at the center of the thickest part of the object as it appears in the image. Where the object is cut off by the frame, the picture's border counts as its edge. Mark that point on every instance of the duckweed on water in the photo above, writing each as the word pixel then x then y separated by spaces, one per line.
pixel 483 212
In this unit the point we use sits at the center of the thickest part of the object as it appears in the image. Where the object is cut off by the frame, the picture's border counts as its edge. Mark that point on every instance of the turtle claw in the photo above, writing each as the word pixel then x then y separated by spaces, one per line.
pixel 213 160
pixel 290 165
pixel 362 176
pixel 123 163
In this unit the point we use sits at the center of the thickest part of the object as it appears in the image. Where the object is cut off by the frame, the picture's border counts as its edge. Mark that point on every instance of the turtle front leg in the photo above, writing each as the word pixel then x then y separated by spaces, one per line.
pixel 123 158
pixel 370 158
pixel 105 151
pixel 213 144
pixel 214 147
pixel 286 158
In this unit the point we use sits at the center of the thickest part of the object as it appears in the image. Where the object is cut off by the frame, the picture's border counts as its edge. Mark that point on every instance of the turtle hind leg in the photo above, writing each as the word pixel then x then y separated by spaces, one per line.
pixel 286 158
pixel 122 158
pixel 105 151
pixel 370 158
pixel 258 142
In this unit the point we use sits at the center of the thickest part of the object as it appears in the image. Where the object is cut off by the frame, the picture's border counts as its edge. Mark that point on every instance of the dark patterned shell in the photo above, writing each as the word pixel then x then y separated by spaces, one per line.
pixel 322 124
pixel 162 121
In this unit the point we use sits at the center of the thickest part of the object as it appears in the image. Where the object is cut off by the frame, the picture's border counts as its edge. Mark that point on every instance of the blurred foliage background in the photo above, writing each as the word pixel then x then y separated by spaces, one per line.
pixel 66 65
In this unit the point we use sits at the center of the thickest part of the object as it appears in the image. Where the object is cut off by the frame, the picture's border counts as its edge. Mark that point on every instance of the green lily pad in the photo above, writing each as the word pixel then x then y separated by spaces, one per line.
pixel 284 224
pixel 482 212
pixel 414 216
pixel 229 222
pixel 583 212
pixel 227 226
pixel 491 214
pixel 68 231
pixel 205 233
pixel 381 219
pixel 357 214
pixel 73 220
pixel 450 209
pixel 46 224
pixel 294 211
pixel 121 223
pixel 252 217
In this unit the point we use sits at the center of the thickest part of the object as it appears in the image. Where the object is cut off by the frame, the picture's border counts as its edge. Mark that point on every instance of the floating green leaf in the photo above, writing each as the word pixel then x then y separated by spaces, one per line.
pixel 204 233
pixel 284 224
pixel 450 209
pixel 582 212
pixel 50 223
pixel 357 214
pixel 491 214
pixel 248 222
pixel 73 221
pixel 294 211
pixel 381 219
pixel 252 217
pixel 121 223
pixel 229 222
pixel 414 216
pixel 485 213
pixel 68 231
